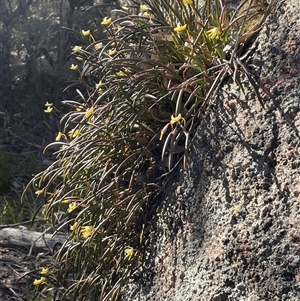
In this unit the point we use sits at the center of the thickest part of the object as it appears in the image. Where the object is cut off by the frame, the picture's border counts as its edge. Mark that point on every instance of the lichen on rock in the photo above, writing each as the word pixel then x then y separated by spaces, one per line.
pixel 230 227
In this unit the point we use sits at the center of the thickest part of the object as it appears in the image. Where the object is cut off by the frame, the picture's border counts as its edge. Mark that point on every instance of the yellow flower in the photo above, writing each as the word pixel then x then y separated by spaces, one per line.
pixel 188 2
pixel 98 88
pixel 79 109
pixel 65 201
pixel 213 33
pixel 72 207
pixel 74 67
pixel 176 119
pixel 89 112
pixel 121 73
pixel 129 252
pixel 59 136
pixel 78 58
pixel 148 15
pixel 86 33
pixel 39 281
pixel 39 192
pixel 112 52
pixel 144 8
pixel 180 28
pixel 87 231
pixel 48 104
pixel 74 226
pixel 98 46
pixel 74 133
pixel 44 271
pixel 48 110
pixel 125 8
pixel 106 21
pixel 99 85
pixel 76 49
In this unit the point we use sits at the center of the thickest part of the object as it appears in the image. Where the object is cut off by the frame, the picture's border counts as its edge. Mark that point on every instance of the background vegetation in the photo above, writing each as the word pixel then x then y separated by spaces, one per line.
pixel 36 38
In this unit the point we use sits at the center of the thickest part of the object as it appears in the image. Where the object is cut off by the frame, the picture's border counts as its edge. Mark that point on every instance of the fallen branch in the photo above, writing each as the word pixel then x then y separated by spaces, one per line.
pixel 31 240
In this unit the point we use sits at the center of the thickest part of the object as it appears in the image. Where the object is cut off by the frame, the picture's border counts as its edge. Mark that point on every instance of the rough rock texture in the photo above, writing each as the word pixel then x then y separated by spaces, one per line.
pixel 230 230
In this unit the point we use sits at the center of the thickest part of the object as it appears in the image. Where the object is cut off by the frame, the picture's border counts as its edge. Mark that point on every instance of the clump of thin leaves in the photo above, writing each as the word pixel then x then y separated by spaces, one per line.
pixel 141 94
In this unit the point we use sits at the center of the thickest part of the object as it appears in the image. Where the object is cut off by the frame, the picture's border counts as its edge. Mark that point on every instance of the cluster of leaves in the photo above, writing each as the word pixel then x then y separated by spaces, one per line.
pixel 143 91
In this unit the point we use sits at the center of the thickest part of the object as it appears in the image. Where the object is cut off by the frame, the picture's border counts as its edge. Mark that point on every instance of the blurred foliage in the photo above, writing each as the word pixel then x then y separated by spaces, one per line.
pixel 36 37
pixel 141 94
pixel 35 41
pixel 8 164
pixel 8 213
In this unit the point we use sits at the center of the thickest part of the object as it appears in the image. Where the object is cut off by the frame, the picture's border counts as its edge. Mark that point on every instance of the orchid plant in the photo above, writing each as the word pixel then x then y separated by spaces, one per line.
pixel 141 94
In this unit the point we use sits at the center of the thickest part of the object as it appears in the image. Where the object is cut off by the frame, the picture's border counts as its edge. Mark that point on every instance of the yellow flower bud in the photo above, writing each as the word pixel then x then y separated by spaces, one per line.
pixel 213 33
pixel 45 271
pixel 72 207
pixel 74 133
pixel 180 28
pixel 74 67
pixel 86 33
pixel 39 192
pixel 129 252
pixel 87 231
pixel 176 119
pixel 48 110
pixel 112 52
pixel 106 21
pixel 59 136
pixel 188 2
pixel 89 112
pixel 74 226
pixel 98 46
pixel 39 281
pixel 121 73
pixel 76 49
pixel 144 8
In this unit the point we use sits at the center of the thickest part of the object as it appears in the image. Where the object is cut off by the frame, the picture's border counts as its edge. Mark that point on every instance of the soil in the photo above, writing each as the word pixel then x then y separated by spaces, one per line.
pixel 230 228
pixel 13 265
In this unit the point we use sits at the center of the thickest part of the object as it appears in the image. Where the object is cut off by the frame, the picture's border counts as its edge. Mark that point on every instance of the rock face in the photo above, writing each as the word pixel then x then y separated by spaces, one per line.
pixel 230 230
